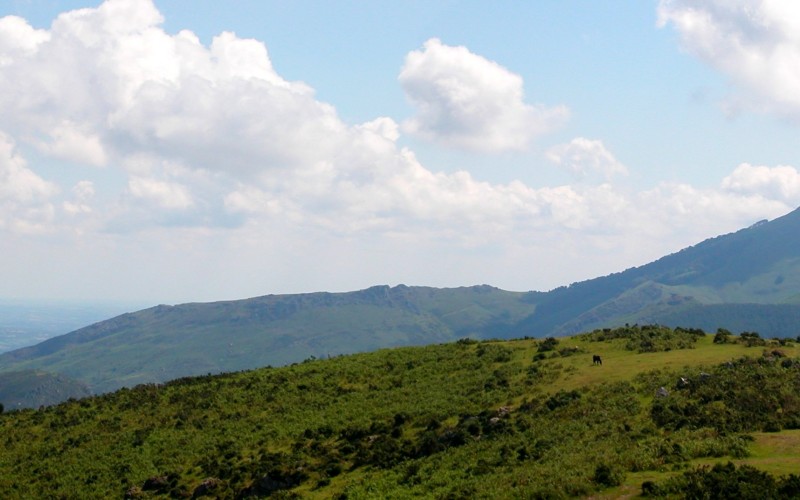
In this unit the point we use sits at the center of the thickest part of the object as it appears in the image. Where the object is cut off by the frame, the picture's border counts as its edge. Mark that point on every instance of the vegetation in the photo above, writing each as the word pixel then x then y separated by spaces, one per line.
pixel 491 419
pixel 726 481
pixel 648 338
pixel 34 388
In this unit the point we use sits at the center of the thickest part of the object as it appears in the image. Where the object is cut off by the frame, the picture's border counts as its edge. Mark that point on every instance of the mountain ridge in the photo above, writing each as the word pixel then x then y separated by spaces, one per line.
pixel 709 285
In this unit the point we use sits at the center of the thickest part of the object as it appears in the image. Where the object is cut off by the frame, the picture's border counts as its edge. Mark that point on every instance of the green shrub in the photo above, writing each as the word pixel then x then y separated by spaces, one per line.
pixel 607 476
pixel 548 344
pixel 722 336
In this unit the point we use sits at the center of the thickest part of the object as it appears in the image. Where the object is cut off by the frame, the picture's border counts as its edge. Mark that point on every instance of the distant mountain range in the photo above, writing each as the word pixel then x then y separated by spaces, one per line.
pixel 744 281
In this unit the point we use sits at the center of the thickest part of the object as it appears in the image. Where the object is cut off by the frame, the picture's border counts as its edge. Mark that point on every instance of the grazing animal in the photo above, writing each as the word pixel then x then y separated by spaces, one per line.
pixel 596 360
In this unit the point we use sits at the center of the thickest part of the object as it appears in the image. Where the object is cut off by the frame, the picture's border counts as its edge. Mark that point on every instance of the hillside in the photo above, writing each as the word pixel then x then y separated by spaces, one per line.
pixel 506 419
pixel 745 281
pixel 167 342
pixel 33 388
pixel 759 265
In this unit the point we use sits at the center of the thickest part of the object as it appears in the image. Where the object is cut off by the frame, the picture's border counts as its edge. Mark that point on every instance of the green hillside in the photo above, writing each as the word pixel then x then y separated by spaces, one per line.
pixel 759 265
pixel 501 419
pixel 167 342
pixel 33 388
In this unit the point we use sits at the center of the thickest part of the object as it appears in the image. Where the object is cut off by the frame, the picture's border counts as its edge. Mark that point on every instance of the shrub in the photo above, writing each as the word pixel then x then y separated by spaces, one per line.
pixel 562 398
pixel 548 344
pixel 721 481
pixel 722 336
pixel 607 476
pixel 751 339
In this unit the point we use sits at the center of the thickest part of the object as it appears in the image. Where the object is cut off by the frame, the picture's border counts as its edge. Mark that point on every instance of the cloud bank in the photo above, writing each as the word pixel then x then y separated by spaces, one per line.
pixel 187 146
pixel 755 42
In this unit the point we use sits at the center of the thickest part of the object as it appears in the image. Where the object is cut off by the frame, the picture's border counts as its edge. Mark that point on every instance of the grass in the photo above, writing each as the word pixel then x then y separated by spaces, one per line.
pixel 621 365
pixel 398 423
pixel 775 452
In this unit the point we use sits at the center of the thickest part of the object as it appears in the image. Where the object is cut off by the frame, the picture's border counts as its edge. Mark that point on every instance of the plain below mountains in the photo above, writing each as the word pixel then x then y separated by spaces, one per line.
pixel 744 281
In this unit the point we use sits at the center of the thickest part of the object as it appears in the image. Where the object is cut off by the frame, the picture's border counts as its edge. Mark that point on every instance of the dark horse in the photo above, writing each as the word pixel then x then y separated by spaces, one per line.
pixel 596 360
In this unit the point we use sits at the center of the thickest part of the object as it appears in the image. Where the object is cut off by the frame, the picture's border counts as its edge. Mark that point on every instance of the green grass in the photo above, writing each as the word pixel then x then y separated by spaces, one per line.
pixel 466 419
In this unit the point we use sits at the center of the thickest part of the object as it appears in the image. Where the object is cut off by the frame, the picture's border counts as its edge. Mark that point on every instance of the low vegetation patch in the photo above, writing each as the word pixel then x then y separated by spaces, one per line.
pixel 725 481
pixel 460 420
pixel 647 338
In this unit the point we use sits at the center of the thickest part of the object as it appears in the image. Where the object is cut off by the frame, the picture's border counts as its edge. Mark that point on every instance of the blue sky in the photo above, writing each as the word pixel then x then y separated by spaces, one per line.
pixel 173 151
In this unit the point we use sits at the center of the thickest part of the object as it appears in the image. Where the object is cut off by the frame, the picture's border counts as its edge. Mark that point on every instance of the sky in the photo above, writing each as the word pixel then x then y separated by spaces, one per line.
pixel 167 151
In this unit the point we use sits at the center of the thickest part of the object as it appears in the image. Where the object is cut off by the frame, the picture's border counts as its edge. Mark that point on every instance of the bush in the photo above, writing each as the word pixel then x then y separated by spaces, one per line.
pixel 548 344
pixel 721 481
pixel 751 339
pixel 722 336
pixel 562 398
pixel 648 338
pixel 607 476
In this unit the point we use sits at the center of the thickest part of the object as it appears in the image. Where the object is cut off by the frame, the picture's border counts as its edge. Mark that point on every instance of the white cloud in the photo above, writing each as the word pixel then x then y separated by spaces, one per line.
pixel 216 134
pixel 781 183
pixel 71 144
pixel 466 101
pixel 18 38
pixel 24 196
pixel 584 157
pixel 756 42
pixel 82 193
pixel 167 195
pixel 210 143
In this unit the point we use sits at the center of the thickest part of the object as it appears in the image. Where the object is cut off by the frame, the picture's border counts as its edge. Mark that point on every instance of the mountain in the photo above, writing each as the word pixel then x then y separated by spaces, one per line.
pixel 705 285
pixel 167 342
pixel 744 281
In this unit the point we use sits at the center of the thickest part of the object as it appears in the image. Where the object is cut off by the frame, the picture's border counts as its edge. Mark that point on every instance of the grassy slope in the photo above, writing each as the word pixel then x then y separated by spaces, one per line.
pixel 776 453
pixel 164 343
pixel 339 411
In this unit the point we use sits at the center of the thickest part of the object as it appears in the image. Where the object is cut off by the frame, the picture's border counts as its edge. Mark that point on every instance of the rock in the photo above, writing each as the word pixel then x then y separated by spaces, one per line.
pixel 155 483
pixel 662 392
pixel 134 492
pixel 206 487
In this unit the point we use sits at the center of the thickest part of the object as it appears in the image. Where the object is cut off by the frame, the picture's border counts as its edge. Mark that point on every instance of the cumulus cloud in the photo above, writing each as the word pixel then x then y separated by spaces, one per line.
pixel 756 42
pixel 18 38
pixel 584 157
pixel 24 196
pixel 781 183
pixel 467 101
pixel 70 144
pixel 213 135
pixel 167 195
